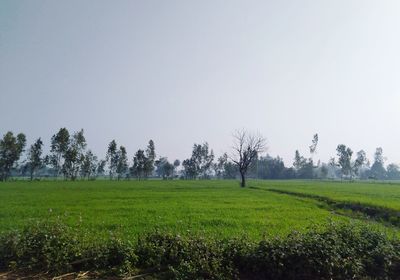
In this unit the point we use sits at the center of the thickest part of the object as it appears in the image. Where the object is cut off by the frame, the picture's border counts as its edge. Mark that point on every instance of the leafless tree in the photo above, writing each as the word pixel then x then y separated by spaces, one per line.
pixel 246 147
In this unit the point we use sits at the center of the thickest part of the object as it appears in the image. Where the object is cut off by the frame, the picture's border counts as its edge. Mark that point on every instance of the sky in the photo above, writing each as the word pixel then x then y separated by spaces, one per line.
pixel 185 72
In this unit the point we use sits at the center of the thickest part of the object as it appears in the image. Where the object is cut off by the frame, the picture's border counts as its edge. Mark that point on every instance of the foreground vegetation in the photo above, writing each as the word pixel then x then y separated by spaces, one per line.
pixel 210 229
pixel 340 251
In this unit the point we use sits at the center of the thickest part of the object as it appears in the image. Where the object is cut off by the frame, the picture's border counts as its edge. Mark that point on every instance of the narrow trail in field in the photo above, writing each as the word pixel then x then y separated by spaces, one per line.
pixel 351 209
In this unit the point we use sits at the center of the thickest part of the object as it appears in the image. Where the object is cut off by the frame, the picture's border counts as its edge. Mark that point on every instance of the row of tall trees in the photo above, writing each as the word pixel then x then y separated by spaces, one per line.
pixel 360 166
pixel 69 157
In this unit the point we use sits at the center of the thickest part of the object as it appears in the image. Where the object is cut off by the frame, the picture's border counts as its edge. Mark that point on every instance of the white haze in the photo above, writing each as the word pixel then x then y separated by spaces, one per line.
pixel 184 72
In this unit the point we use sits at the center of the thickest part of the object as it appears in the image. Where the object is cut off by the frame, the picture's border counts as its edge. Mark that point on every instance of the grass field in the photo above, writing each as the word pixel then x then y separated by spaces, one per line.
pixel 379 194
pixel 218 208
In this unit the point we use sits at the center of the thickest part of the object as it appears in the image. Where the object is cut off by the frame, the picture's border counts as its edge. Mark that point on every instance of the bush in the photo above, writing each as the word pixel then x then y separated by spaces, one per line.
pixel 56 248
pixel 340 251
pixel 115 257
pixel 41 246
pixel 184 258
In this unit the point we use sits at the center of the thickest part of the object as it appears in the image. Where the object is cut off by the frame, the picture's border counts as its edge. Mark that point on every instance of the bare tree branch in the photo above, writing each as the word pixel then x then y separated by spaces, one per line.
pixel 246 147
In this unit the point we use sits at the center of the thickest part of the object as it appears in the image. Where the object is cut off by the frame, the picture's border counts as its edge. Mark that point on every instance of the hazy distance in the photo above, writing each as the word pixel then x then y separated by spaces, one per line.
pixel 184 72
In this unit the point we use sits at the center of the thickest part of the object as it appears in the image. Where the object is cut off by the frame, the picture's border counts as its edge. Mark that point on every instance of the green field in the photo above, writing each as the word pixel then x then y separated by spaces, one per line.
pixel 218 208
pixel 379 194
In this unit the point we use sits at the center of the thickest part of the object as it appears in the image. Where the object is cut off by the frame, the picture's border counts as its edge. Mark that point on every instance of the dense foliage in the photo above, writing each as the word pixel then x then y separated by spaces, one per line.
pixel 340 251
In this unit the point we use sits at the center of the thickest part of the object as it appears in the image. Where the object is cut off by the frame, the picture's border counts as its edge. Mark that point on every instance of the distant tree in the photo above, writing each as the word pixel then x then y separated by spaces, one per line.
pixel 150 158
pixel 35 160
pixel 304 168
pixel 246 148
pixel 324 171
pixel 200 163
pixel 378 156
pixel 58 149
pixel 74 156
pixel 219 166
pixel 112 158
pixel 344 160
pixel 298 161
pixel 204 159
pixel 377 170
pixel 177 163
pixel 139 165
pixel 271 168
pixel 359 162
pixel 122 162
pixel 230 170
pixel 189 168
pixel 100 168
pixel 11 148
pixel 393 172
pixel 89 165
pixel 168 170
pixel 313 147
pixel 23 169
pixel 164 168
pixel 307 170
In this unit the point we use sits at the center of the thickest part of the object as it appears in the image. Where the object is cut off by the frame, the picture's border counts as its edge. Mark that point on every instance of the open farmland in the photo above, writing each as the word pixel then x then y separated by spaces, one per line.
pixel 212 208
pixel 370 193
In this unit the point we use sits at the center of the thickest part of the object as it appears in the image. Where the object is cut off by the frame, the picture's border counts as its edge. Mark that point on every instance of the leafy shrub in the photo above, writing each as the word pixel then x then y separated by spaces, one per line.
pixel 115 257
pixel 56 248
pixel 184 258
pixel 340 251
pixel 40 246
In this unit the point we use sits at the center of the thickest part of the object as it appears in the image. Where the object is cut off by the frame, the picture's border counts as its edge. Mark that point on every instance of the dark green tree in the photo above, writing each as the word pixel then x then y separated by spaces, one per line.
pixel 100 168
pixel 200 163
pixel 304 168
pixel 89 165
pixel 150 158
pixel 359 162
pixel 139 165
pixel 58 149
pixel 112 158
pixel 378 170
pixel 189 168
pixel 164 168
pixel 230 170
pixel 35 160
pixel 74 157
pixel 344 162
pixel 219 166
pixel 122 162
pixel 11 148
pixel 324 171
pixel 298 161
pixel 271 168
pixel 393 172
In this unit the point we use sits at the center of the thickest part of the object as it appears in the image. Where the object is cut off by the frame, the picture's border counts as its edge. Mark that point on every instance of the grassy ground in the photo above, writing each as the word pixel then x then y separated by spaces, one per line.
pixel 379 194
pixel 218 208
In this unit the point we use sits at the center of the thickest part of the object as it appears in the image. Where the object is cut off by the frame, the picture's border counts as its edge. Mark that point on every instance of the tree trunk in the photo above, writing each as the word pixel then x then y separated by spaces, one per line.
pixel 243 183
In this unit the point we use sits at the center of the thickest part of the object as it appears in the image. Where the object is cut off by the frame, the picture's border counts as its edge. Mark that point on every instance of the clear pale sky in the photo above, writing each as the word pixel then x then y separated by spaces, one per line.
pixel 184 72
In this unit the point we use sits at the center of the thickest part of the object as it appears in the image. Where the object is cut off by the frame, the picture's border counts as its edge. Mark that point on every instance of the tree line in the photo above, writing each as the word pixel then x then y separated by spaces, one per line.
pixel 70 159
